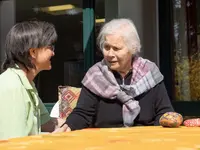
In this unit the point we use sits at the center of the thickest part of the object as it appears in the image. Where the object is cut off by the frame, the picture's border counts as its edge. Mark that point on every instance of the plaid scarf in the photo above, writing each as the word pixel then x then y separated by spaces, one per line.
pixel 101 81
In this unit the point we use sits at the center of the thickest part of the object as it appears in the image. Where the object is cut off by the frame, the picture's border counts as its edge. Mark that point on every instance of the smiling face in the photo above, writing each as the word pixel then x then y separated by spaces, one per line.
pixel 41 57
pixel 117 54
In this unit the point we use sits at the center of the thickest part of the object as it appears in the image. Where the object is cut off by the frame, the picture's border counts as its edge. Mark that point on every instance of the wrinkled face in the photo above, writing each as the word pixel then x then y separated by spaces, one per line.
pixel 42 57
pixel 116 53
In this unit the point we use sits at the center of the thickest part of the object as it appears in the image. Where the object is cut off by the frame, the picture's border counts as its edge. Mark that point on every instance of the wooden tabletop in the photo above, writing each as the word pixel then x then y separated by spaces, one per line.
pixel 135 138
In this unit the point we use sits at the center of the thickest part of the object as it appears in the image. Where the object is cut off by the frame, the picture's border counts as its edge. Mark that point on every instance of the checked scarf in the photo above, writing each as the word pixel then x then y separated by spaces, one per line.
pixel 100 80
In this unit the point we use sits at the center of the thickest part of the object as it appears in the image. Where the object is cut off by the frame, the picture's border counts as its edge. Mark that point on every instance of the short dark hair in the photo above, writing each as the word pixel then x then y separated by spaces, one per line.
pixel 24 36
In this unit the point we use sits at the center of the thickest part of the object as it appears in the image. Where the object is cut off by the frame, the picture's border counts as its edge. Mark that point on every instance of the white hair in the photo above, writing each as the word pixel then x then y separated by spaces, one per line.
pixel 124 28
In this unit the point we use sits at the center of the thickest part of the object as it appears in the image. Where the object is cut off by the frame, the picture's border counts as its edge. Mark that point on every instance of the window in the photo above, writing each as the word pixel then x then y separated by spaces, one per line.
pixel 186 51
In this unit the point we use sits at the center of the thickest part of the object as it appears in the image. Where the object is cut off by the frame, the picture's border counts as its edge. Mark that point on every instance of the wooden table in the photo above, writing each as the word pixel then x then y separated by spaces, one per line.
pixel 136 138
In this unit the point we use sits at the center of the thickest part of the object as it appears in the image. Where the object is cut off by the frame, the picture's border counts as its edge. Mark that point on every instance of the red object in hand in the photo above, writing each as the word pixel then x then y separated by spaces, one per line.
pixel 192 122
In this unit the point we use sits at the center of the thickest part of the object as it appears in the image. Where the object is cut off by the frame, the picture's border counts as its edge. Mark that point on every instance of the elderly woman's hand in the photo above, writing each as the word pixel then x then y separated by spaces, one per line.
pixel 64 128
pixel 60 122
pixel 53 124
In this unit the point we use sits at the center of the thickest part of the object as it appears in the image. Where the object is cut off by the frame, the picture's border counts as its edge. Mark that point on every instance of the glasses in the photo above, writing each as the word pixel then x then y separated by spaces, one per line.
pixel 51 47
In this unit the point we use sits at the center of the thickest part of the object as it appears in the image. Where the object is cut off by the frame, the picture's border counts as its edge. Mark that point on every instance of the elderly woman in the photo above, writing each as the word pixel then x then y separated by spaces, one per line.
pixel 122 90
pixel 29 49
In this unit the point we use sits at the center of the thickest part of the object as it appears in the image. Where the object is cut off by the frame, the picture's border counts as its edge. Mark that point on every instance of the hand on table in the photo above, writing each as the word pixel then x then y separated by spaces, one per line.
pixel 60 122
pixel 64 128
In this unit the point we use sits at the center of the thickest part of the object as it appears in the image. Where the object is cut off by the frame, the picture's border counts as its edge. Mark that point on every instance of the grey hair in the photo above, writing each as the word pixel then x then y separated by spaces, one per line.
pixel 124 28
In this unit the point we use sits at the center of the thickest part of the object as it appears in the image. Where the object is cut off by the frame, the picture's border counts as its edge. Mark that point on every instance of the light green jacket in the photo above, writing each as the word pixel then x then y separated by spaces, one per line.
pixel 21 110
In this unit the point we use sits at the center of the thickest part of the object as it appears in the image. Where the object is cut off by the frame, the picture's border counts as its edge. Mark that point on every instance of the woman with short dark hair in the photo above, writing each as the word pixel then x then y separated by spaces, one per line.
pixel 29 48
pixel 24 37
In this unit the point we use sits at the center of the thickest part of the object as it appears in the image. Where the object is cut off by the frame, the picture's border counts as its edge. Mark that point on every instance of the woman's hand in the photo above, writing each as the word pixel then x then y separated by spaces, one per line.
pixel 64 128
pixel 60 122
pixel 54 124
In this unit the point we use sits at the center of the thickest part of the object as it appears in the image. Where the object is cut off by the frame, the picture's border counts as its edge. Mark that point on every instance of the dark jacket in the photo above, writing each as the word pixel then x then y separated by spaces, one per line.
pixel 95 111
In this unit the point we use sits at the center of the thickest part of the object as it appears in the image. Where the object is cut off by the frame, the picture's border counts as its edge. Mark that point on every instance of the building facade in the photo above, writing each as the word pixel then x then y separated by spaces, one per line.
pixel 169 31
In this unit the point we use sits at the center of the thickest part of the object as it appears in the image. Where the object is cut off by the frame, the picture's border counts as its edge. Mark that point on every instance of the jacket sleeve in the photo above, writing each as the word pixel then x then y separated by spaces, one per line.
pixel 162 102
pixel 83 114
